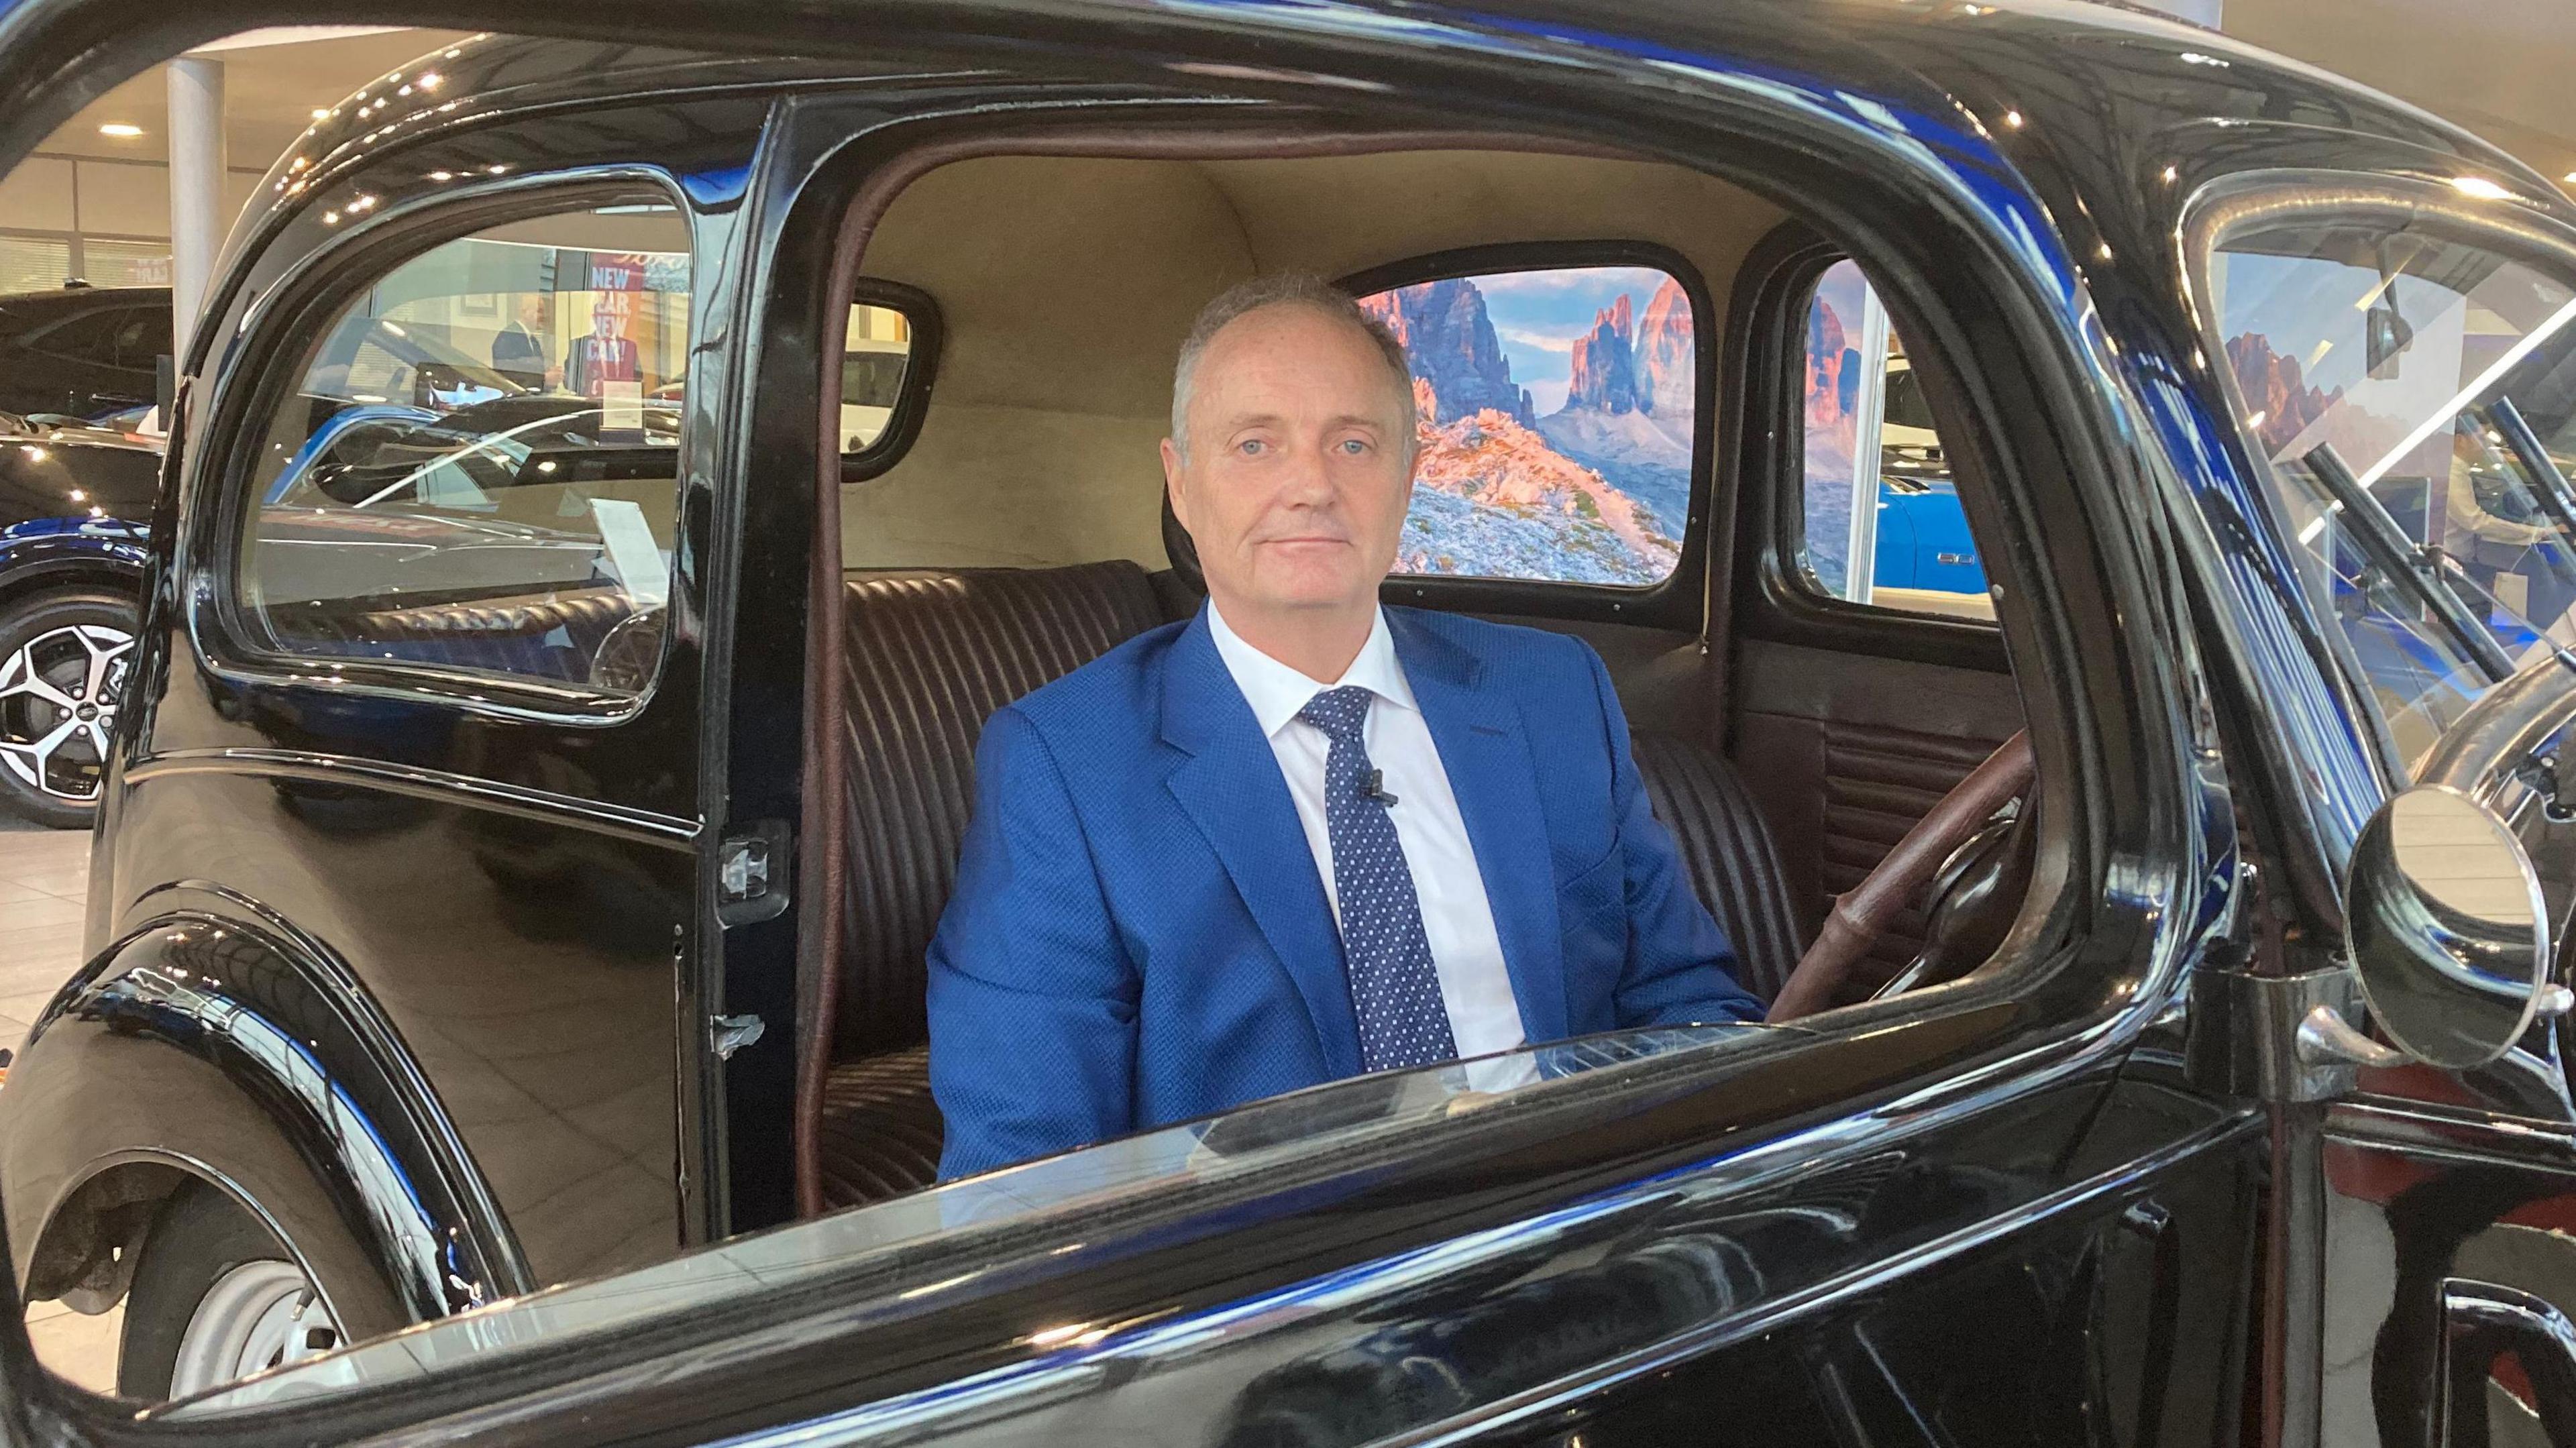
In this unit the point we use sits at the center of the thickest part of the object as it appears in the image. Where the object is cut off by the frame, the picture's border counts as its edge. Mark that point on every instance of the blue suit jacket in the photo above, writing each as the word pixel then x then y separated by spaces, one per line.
pixel 1139 932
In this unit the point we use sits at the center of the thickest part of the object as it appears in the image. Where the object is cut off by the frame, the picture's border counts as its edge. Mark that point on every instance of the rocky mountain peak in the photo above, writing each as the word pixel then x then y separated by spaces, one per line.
pixel 1450 342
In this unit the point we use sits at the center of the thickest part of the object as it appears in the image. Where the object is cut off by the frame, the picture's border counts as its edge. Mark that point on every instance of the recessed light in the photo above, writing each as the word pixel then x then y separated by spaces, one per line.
pixel 323 113
pixel 121 130
pixel 2570 176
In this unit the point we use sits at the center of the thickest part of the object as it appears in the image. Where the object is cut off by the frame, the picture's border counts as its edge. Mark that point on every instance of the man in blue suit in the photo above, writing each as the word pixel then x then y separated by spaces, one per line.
pixel 1302 836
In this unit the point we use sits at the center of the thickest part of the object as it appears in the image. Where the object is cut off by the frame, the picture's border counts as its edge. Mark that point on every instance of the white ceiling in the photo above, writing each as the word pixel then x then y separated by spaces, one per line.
pixel 273 82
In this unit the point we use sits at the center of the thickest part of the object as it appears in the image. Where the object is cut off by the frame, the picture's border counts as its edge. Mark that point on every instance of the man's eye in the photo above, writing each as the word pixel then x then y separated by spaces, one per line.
pixel 1252 447
pixel 1354 446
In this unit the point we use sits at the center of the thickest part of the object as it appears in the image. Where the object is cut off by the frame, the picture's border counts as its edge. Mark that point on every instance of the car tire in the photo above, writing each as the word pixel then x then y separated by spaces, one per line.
pixel 59 651
pixel 215 1297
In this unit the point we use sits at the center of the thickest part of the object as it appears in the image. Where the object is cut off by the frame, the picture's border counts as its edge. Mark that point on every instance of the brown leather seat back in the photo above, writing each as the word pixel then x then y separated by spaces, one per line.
pixel 926 659
pixel 1728 854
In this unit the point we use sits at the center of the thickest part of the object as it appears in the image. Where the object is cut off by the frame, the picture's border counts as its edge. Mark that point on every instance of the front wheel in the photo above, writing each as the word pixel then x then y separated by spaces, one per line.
pixel 63 661
pixel 215 1299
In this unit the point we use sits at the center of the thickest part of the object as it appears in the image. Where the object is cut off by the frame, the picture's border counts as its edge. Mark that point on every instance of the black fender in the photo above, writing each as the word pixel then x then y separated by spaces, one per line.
pixel 244 1055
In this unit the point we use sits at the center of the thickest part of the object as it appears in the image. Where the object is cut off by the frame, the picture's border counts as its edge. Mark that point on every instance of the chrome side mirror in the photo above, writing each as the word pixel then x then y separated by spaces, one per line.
pixel 2446 927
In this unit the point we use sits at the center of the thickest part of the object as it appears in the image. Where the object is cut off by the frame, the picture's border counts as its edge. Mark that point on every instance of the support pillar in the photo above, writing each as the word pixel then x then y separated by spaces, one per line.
pixel 197 220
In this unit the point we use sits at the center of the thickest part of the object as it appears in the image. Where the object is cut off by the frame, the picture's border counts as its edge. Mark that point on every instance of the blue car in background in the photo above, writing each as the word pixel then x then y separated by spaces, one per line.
pixel 1923 539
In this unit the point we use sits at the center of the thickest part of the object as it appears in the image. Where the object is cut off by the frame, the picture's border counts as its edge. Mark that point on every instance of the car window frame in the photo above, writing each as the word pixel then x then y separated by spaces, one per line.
pixel 283 325
pixel 1678 600
pixel 1774 601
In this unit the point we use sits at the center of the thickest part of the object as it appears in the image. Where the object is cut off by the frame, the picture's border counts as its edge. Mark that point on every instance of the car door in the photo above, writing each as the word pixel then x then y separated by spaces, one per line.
pixel 2397 362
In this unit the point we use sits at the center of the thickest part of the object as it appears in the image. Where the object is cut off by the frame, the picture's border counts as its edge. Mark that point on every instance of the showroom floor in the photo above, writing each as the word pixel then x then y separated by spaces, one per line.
pixel 43 874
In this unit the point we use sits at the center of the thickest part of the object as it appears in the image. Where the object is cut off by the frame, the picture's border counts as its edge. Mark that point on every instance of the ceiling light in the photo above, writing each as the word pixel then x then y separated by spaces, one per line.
pixel 322 113
pixel 2013 119
pixel 121 130
pixel 2569 177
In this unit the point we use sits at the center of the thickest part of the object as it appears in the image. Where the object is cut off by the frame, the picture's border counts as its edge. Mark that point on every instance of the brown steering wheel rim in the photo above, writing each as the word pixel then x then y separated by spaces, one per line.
pixel 1862 913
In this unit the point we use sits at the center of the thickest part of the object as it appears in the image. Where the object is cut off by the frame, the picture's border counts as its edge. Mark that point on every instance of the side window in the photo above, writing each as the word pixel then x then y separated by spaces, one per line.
pixel 2414 396
pixel 1867 434
pixel 89 337
pixel 477 467
pixel 876 356
pixel 1557 410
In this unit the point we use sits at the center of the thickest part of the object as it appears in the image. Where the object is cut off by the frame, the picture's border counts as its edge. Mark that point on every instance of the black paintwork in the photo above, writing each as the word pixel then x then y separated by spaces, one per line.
pixel 513 889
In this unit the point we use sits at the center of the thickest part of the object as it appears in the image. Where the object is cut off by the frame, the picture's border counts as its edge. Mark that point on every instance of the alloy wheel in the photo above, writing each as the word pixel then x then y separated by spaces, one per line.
pixel 58 696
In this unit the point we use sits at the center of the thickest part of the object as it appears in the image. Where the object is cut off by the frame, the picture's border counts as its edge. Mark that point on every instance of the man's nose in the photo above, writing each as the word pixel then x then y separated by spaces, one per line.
pixel 1310 479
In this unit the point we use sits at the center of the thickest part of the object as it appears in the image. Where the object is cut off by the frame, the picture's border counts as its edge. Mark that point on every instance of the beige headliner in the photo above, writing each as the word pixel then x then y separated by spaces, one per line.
pixel 1066 285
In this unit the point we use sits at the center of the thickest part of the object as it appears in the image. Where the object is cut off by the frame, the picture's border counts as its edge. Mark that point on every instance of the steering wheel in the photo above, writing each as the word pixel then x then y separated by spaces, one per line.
pixel 1862 913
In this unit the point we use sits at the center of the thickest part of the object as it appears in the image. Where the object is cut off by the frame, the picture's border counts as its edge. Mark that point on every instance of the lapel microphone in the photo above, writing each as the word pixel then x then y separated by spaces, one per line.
pixel 1374 787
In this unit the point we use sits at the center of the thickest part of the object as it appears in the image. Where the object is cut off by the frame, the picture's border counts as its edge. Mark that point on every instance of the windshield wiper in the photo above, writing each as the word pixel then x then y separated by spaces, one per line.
pixel 2415 568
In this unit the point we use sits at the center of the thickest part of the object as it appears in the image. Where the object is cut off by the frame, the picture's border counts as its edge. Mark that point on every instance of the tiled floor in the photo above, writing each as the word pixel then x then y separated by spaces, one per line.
pixel 43 876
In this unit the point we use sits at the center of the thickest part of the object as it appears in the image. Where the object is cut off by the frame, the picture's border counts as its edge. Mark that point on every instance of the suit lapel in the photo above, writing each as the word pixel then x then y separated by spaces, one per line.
pixel 1486 754
pixel 1231 789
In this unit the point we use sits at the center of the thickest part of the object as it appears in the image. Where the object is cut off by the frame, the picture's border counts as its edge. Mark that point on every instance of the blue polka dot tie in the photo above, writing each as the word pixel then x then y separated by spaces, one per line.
pixel 1394 990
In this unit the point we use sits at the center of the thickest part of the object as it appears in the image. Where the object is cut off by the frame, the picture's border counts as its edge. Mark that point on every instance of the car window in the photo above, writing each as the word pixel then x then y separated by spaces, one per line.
pixel 1867 432
pixel 476 467
pixel 1556 413
pixel 876 353
pixel 89 337
pixel 2414 399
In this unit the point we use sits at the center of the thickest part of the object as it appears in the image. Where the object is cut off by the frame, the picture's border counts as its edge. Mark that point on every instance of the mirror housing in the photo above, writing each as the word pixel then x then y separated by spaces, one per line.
pixel 2447 929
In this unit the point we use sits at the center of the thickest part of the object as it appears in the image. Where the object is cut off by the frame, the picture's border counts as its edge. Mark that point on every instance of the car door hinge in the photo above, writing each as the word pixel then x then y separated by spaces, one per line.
pixel 2279 1038
pixel 728 1034
pixel 751 873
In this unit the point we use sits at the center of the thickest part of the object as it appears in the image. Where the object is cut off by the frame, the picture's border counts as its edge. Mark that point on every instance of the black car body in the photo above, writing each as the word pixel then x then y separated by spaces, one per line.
pixel 458 944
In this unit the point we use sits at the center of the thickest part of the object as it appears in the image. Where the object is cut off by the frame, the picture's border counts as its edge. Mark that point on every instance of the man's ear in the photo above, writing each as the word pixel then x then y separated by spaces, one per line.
pixel 1172 488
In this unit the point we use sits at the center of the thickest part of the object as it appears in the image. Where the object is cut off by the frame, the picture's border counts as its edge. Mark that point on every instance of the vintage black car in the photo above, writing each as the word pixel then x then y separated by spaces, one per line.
pixel 2168 1039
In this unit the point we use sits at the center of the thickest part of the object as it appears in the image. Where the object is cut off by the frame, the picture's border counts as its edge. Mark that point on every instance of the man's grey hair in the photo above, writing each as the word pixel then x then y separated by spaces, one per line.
pixel 1284 289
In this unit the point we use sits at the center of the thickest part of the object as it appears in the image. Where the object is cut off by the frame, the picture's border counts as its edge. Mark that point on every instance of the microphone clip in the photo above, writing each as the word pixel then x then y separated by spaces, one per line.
pixel 1374 788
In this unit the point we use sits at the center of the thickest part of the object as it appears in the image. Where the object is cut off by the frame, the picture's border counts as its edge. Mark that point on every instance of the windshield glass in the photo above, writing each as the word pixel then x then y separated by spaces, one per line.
pixel 1324 1142
pixel 2415 396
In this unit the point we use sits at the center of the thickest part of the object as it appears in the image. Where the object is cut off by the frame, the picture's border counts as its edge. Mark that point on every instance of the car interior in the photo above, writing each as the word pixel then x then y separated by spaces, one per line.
pixel 1788 740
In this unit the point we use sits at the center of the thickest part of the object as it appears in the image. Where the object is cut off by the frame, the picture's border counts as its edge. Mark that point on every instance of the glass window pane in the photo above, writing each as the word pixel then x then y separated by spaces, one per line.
pixel 479 469
pixel 2395 381
pixel 33 263
pixel 1556 423
pixel 1867 430
pixel 126 263
pixel 875 354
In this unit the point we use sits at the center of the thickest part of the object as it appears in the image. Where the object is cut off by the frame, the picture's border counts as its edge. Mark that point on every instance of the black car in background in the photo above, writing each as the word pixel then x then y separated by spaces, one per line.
pixel 82 351
pixel 503 1013
pixel 75 510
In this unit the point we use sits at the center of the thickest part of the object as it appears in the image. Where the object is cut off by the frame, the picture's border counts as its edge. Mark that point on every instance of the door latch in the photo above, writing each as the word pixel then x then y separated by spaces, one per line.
pixel 752 873
pixel 728 1034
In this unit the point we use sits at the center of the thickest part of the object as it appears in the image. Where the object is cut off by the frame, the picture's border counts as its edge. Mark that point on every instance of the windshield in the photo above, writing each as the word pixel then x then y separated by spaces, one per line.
pixel 2415 396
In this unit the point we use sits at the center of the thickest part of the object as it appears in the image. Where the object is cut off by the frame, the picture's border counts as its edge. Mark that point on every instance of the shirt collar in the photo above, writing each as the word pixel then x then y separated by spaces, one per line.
pixel 1276 692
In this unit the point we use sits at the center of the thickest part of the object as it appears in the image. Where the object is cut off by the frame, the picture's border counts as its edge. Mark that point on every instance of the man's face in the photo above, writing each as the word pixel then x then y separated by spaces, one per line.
pixel 1299 465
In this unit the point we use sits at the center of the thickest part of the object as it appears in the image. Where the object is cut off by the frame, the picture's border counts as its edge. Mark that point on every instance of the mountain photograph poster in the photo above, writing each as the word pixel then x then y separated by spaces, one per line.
pixel 1555 413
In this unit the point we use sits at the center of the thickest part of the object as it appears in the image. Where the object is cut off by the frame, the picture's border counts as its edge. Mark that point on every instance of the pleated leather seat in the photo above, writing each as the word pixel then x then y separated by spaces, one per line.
pixel 927 659
pixel 554 636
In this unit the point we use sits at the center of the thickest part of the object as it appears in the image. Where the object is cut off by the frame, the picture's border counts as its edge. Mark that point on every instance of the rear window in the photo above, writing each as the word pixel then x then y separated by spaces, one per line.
pixel 1557 421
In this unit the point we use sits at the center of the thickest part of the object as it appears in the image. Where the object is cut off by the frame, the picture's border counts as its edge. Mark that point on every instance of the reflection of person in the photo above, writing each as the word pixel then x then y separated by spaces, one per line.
pixel 2493 526
pixel 1199 873
pixel 517 353
pixel 600 356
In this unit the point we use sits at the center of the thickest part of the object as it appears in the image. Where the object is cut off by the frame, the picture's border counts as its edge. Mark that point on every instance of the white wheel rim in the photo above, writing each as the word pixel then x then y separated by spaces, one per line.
pixel 257 1316
pixel 58 697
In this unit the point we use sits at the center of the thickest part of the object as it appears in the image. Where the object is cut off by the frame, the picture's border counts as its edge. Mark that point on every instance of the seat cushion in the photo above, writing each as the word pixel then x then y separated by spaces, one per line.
pixel 1727 851
pixel 551 636
pixel 881 1132
pixel 926 659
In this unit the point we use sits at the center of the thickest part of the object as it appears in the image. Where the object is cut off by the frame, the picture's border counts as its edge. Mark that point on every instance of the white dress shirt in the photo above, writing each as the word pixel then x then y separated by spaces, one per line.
pixel 1456 917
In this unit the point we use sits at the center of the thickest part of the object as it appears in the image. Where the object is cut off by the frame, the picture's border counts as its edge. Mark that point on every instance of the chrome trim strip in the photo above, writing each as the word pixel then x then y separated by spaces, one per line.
pixel 421 782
